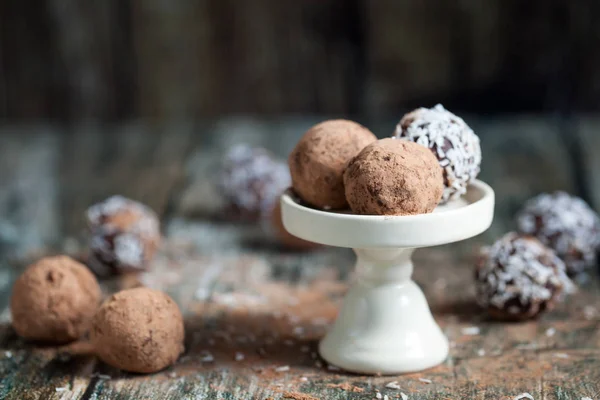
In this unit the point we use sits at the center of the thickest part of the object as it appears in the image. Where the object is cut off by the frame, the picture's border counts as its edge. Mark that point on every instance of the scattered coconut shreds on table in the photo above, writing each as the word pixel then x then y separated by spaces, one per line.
pixel 470 331
pixel 303 379
pixel 586 398
pixel 393 385
pixel 560 355
pixel 206 357
pixel 524 396
pixel 550 332
pixel 527 346
pixel 481 352
pixel 239 356
pixel 8 354
pixel 404 396
pixel 386 397
pixel 378 395
pixel 428 381
pixel 283 368
pixel 61 389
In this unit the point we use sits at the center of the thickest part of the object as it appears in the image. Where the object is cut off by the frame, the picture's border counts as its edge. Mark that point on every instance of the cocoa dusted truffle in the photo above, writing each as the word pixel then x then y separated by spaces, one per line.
pixel 251 181
pixel 317 162
pixel 54 300
pixel 393 177
pixel 125 235
pixel 451 140
pixel 284 237
pixel 138 330
pixel 566 224
pixel 518 278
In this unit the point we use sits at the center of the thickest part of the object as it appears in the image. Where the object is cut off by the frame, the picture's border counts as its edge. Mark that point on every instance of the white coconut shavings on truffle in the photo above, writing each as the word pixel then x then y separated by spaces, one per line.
pixel 519 275
pixel 453 142
pixel 129 249
pixel 113 244
pixel 252 180
pixel 566 224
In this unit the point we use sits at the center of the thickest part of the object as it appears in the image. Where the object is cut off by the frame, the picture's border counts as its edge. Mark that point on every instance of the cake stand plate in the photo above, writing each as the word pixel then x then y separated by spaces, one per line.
pixel 384 325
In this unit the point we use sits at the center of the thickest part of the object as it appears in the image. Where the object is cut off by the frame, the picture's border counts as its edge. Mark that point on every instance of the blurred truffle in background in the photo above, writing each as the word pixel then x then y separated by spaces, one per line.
pixel 566 224
pixel 250 182
pixel 519 278
pixel 124 236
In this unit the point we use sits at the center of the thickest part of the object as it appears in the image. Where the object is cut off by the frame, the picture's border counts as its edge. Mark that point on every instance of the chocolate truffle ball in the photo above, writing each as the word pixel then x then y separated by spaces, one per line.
pixel 393 177
pixel 451 140
pixel 54 300
pixel 138 330
pixel 125 235
pixel 518 278
pixel 317 162
pixel 284 237
pixel 566 224
pixel 251 181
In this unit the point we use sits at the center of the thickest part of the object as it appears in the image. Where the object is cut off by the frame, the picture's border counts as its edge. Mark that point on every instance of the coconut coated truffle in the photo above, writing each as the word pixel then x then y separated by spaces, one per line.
pixel 138 330
pixel 451 140
pixel 519 278
pixel 125 234
pixel 318 161
pixel 566 224
pixel 251 181
pixel 393 177
pixel 54 300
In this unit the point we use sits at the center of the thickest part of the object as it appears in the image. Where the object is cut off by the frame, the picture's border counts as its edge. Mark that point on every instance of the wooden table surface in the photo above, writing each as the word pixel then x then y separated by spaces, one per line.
pixel 255 312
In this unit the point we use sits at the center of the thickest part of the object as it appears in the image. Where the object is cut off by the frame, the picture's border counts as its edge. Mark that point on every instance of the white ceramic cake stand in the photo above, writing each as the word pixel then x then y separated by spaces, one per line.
pixel 385 325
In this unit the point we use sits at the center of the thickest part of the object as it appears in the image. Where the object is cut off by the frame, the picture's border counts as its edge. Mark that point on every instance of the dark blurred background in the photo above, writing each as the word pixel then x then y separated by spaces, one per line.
pixel 141 98
pixel 114 60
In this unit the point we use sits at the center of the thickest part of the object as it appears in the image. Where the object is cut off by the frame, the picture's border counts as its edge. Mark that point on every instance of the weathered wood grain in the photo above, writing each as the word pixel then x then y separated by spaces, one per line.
pixel 241 293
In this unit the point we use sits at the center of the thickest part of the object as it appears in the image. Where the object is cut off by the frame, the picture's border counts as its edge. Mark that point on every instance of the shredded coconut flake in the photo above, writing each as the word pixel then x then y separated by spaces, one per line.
pixel 550 332
pixel 284 368
pixel 61 389
pixel 470 331
pixel 239 356
pixel 393 385
pixel 561 355
pixel 428 381
pixel 524 396
pixel 404 396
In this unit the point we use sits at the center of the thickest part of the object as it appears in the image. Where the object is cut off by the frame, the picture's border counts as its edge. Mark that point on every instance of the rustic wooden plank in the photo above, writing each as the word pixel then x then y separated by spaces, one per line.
pixel 241 293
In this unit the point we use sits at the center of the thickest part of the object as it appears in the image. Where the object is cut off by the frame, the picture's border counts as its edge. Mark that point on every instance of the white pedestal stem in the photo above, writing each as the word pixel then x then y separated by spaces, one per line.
pixel 385 325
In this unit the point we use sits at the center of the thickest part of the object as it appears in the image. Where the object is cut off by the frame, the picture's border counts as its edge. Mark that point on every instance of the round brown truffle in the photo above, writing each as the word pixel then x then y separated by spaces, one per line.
pixel 284 237
pixel 138 330
pixel 54 300
pixel 317 162
pixel 393 177
pixel 566 224
pixel 518 278
pixel 125 235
